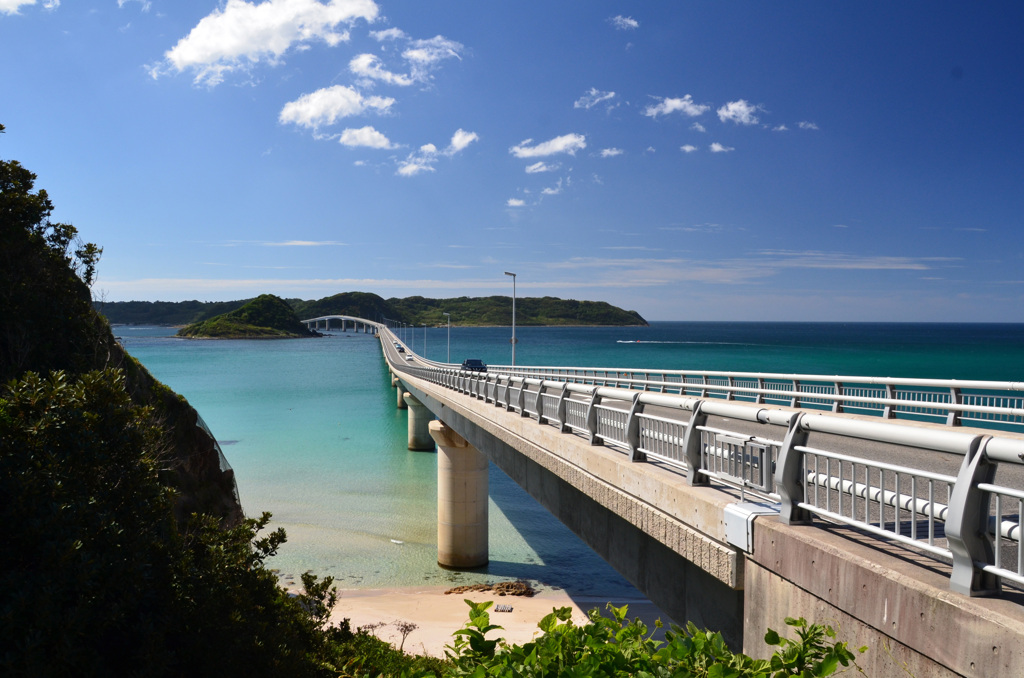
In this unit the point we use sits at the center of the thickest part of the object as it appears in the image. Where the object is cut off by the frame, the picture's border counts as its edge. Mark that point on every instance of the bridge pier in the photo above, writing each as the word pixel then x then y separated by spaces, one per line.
pixel 461 500
pixel 401 397
pixel 419 422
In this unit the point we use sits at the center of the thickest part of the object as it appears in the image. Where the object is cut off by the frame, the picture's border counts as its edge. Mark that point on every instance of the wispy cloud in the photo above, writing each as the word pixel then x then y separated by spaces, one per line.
pixel 240 35
pixel 515 202
pixel 697 127
pixel 719 148
pixel 369 66
pixel 592 98
pixel 567 143
pixel 424 159
pixel 611 152
pixel 739 112
pixel 688 148
pixel 806 125
pixel 541 166
pixel 841 260
pixel 684 105
pixel 624 23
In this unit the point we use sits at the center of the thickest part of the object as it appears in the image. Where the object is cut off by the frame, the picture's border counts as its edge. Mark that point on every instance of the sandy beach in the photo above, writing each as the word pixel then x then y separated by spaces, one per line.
pixel 437 615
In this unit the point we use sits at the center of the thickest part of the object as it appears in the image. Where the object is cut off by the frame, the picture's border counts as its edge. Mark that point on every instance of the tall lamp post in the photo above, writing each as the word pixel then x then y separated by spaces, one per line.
pixel 514 342
pixel 449 317
pixel 424 339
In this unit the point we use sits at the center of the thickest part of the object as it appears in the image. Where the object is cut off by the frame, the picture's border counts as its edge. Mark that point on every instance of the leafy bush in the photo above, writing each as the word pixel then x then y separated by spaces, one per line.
pixel 614 646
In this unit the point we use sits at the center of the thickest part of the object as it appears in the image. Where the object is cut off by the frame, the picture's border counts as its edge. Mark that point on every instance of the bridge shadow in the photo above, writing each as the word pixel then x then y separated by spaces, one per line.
pixel 560 560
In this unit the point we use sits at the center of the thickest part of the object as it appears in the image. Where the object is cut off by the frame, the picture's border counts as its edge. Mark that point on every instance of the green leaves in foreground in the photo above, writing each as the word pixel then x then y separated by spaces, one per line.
pixel 614 646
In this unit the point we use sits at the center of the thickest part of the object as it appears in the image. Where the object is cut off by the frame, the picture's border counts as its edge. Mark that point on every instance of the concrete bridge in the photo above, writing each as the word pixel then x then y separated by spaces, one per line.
pixel 888 508
pixel 342 322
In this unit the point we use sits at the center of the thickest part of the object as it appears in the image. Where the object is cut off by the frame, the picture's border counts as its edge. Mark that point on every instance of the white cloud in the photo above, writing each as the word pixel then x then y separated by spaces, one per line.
pixel 688 148
pixel 388 34
pixel 780 128
pixel 541 166
pixel 515 202
pixel 567 143
pixel 367 137
pixel 326 106
pixel 719 148
pixel 12 6
pixel 740 112
pixel 624 23
pixel 842 260
pixel 697 127
pixel 460 140
pixel 304 243
pixel 241 34
pixel 592 98
pixel 121 3
pixel 424 159
pixel 806 125
pixel 611 152
pixel 369 66
pixel 684 105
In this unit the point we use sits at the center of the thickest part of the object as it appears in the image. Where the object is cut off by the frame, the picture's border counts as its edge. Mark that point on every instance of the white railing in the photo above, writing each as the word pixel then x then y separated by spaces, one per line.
pixel 966 519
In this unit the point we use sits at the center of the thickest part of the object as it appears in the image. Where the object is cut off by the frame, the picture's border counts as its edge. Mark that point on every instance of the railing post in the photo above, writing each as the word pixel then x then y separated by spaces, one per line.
pixel 967 524
pixel 953 416
pixel 729 393
pixel 560 412
pixel 789 474
pixel 837 404
pixel 521 399
pixel 794 401
pixel 759 398
pixel 592 418
pixel 890 394
pixel 691 446
pixel 633 430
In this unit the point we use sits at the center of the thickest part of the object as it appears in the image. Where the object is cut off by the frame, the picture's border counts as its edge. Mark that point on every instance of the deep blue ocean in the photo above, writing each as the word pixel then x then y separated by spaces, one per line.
pixel 311 429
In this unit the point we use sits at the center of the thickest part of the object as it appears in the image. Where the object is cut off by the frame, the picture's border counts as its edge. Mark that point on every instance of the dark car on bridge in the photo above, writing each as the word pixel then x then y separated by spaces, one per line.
pixel 474 365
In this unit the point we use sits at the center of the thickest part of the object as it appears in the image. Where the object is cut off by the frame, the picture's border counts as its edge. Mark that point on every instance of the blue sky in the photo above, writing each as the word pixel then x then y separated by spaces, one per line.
pixel 689 160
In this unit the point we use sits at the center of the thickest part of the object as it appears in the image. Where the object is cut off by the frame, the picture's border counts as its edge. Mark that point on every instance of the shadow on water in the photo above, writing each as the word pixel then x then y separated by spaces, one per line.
pixel 564 561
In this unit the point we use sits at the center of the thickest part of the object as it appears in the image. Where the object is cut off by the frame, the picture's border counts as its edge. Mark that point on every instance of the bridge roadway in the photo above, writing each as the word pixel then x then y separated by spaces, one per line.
pixel 699 552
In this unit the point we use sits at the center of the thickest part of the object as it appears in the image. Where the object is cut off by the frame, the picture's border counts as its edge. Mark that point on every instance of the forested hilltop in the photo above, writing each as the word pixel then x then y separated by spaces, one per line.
pixel 265 317
pixel 466 311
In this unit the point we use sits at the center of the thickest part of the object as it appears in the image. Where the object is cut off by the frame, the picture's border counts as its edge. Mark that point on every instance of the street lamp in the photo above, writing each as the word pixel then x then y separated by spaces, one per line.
pixel 424 339
pixel 514 342
pixel 449 316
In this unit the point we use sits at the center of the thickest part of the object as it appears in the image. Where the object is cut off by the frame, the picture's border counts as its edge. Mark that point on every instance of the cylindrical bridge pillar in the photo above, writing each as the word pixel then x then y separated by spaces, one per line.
pixel 461 500
pixel 419 422
pixel 401 398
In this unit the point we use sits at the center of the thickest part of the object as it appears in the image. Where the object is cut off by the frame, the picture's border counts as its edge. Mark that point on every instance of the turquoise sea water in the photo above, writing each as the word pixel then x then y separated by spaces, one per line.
pixel 311 428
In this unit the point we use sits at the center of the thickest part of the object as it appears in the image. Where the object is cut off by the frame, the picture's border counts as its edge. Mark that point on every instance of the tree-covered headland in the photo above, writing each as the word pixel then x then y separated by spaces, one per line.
pixel 125 552
pixel 464 311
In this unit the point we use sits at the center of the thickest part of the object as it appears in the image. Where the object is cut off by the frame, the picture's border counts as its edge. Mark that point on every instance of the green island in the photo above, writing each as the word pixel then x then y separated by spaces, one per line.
pixel 464 311
pixel 126 552
pixel 265 317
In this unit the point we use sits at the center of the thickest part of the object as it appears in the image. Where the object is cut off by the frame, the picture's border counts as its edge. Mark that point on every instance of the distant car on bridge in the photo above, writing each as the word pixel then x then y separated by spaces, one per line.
pixel 401 349
pixel 474 365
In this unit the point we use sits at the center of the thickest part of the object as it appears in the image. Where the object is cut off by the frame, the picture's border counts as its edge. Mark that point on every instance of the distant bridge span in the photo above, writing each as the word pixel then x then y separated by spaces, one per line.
pixel 736 500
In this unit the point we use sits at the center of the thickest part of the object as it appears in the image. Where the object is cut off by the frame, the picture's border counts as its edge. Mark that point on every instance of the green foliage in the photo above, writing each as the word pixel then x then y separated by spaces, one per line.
pixel 97 576
pixel 266 316
pixel 615 646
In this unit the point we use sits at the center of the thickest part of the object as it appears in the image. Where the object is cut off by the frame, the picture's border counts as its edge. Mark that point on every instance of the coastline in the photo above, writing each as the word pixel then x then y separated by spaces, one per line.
pixel 437 615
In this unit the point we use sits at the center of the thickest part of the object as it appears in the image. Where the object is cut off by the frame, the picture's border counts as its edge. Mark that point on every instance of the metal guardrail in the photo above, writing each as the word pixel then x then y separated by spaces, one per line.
pixel 948 401
pixel 965 519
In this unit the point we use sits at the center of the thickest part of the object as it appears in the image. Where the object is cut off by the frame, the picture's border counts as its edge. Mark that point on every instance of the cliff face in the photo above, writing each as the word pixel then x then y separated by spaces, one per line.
pixel 47 323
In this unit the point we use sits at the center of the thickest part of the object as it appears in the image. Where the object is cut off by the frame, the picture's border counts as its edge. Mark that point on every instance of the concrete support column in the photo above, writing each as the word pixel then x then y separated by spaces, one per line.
pixel 461 500
pixel 401 398
pixel 419 422
pixel 394 381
